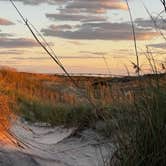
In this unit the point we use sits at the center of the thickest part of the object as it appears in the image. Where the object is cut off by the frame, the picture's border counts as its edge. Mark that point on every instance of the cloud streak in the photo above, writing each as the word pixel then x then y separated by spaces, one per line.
pixel 102 31
pixel 5 22
pixel 93 53
pixel 17 43
pixel 158 45
pixel 74 17
pixel 11 52
pixel 96 6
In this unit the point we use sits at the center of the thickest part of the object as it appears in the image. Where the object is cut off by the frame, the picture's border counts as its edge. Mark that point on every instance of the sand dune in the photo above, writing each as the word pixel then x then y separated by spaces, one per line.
pixel 48 146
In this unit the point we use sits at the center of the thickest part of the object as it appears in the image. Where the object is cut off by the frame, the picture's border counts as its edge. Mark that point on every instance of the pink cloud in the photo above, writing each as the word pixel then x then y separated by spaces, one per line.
pixel 5 22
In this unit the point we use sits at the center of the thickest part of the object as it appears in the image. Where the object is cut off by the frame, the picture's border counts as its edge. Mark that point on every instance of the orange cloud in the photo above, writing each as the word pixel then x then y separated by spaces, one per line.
pixel 114 5
pixel 100 11
pixel 5 22
pixel 147 36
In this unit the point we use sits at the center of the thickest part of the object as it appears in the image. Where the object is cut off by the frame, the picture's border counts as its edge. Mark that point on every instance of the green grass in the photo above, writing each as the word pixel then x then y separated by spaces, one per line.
pixel 55 114
pixel 142 137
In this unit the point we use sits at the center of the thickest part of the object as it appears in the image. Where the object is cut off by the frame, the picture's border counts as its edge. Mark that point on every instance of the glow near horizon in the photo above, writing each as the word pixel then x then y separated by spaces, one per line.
pixel 67 47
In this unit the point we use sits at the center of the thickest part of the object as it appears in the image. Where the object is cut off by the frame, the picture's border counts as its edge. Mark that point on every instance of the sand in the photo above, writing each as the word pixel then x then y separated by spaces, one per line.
pixel 43 145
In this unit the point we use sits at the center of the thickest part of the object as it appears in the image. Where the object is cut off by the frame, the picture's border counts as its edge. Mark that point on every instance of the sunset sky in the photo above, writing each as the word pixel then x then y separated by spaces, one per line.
pixel 82 32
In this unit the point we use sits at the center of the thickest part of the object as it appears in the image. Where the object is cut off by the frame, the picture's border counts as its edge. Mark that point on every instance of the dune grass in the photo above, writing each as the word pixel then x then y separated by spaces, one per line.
pixel 133 113
pixel 141 137
pixel 36 110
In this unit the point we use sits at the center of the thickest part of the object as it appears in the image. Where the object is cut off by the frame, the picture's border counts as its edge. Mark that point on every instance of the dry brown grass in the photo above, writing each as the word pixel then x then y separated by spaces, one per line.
pixel 6 119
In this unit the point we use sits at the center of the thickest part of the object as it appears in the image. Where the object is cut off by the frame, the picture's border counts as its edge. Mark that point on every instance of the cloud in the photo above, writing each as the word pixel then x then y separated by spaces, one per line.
pixel 97 6
pixel 146 23
pixel 92 22
pixel 5 34
pixel 37 2
pixel 17 43
pixel 80 57
pixel 61 27
pixel 158 45
pixel 76 42
pixel 59 57
pixel 11 52
pixel 81 6
pixel 5 22
pixel 74 17
pixel 93 53
pixel 102 31
pixel 86 10
pixel 114 4
pixel 31 58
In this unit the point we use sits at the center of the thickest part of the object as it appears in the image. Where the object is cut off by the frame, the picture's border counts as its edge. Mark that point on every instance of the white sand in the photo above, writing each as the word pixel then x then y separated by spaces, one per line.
pixel 47 146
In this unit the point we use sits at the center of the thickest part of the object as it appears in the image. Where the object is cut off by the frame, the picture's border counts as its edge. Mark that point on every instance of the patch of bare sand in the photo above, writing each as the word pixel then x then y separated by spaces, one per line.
pixel 47 146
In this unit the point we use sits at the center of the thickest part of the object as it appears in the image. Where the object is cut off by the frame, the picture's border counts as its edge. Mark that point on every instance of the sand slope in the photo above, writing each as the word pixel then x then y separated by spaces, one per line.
pixel 47 146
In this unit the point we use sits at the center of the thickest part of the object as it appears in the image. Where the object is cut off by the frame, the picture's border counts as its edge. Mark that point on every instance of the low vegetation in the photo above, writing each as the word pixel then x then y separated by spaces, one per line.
pixel 141 134
pixel 133 110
